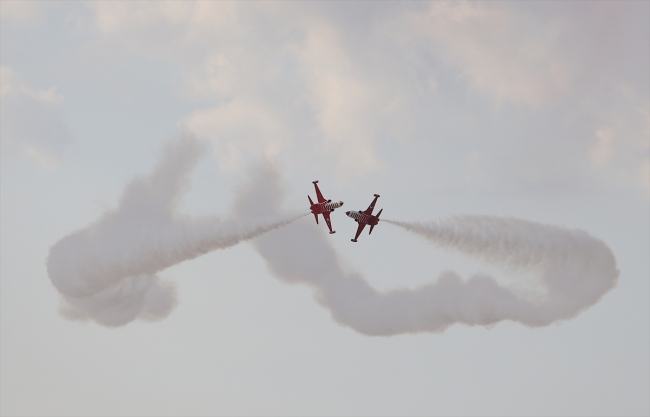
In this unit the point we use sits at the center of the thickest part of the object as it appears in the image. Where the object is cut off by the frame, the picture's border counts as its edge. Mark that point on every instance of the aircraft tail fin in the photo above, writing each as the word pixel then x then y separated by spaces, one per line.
pixel 373 226
pixel 316 216
pixel 310 202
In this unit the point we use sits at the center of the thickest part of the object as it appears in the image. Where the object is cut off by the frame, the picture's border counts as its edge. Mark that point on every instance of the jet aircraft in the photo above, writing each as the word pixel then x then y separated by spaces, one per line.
pixel 324 207
pixel 365 217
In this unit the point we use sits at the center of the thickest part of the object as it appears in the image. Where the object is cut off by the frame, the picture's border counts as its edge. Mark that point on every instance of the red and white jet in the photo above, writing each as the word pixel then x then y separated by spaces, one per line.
pixel 324 207
pixel 365 217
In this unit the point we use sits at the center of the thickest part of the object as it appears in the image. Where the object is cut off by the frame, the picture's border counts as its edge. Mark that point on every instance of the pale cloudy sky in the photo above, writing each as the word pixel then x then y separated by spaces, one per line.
pixel 536 110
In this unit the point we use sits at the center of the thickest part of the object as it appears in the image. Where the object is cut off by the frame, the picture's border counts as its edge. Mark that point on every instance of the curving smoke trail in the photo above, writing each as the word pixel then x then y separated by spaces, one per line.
pixel 107 271
pixel 576 268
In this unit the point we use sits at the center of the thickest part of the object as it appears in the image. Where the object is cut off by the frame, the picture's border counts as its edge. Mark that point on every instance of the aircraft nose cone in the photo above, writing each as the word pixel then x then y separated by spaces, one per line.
pixel 347 212
pixel 341 202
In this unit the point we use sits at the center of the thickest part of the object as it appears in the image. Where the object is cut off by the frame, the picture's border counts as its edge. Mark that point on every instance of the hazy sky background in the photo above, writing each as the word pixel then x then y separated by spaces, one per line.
pixel 536 110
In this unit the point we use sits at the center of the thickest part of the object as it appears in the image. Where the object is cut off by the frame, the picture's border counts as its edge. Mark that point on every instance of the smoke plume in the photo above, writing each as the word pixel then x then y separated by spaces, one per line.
pixel 576 269
pixel 107 271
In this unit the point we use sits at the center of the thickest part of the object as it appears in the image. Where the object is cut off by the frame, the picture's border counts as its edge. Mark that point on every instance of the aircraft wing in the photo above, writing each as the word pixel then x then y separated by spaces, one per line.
pixel 359 230
pixel 326 215
pixel 320 197
pixel 371 207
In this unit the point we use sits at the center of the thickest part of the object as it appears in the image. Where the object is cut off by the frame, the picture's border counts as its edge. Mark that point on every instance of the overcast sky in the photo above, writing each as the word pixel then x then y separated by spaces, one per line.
pixel 533 110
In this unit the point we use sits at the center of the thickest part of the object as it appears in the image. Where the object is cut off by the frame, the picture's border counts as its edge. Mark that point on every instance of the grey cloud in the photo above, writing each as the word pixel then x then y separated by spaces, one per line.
pixel 33 122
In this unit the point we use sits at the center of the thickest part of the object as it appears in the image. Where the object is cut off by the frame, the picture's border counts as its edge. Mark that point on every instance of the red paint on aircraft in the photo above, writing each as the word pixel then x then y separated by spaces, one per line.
pixel 324 207
pixel 365 218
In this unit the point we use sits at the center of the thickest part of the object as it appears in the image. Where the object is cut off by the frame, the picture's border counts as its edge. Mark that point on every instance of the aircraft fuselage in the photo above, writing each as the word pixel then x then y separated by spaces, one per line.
pixel 361 217
pixel 326 206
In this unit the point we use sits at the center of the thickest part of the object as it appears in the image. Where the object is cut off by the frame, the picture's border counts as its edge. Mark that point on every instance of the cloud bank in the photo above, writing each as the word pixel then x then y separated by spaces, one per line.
pixel 341 80
pixel 32 121
pixel 562 86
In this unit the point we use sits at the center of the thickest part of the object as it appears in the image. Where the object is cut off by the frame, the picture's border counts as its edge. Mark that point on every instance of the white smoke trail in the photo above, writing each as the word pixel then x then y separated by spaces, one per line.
pixel 576 268
pixel 107 271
